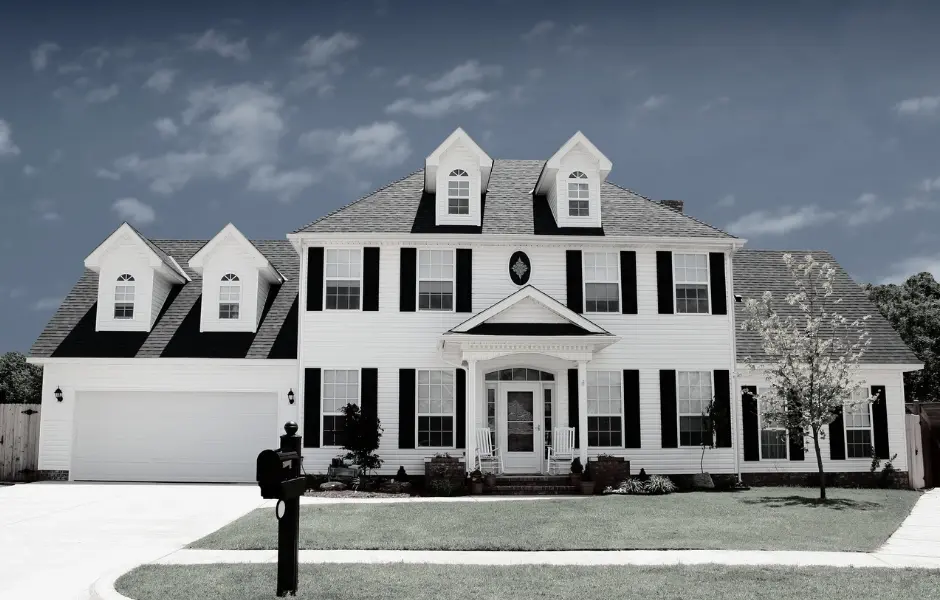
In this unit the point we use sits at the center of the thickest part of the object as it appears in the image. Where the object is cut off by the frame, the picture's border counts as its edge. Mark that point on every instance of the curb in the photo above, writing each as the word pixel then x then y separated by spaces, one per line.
pixel 103 589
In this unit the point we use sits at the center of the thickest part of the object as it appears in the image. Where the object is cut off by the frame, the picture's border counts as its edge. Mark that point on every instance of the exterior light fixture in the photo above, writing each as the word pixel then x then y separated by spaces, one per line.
pixel 290 396
pixel 58 394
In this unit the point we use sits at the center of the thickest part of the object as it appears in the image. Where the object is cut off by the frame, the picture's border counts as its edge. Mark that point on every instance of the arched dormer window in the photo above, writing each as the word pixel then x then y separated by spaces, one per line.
pixel 230 296
pixel 458 193
pixel 124 291
pixel 579 195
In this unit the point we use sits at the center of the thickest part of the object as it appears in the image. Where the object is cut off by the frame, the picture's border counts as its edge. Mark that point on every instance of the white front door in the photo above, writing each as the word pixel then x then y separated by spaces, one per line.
pixel 521 439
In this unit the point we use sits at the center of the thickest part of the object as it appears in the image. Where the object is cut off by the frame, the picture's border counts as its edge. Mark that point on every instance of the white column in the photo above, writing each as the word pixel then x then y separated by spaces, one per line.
pixel 582 411
pixel 471 414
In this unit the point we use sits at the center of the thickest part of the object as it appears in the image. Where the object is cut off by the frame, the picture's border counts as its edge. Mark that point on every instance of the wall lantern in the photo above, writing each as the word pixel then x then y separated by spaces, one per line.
pixel 290 396
pixel 58 394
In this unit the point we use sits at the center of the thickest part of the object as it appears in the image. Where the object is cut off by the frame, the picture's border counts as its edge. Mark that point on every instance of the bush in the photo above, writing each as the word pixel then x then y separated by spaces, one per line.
pixel 401 476
pixel 658 484
pixel 362 433
pixel 654 485
pixel 443 487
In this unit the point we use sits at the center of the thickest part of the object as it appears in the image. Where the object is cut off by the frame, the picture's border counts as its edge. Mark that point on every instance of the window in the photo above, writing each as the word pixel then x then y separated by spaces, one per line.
pixel 547 394
pixel 458 193
pixel 339 389
pixel 857 417
pixel 691 283
pixel 436 409
pixel 604 408
pixel 343 279
pixel 436 280
pixel 519 374
pixel 601 282
pixel 773 439
pixel 694 392
pixel 230 293
pixel 124 297
pixel 579 195
pixel 491 413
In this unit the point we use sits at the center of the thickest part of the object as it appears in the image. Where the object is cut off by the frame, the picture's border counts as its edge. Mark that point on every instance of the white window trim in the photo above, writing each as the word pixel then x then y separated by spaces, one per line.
pixel 241 289
pixel 459 178
pixel 761 429
pixel 623 431
pixel 846 429
pixel 586 180
pixel 680 414
pixel 362 265
pixel 418 280
pixel 323 413
pixel 584 283
pixel 131 283
pixel 453 414
pixel 675 284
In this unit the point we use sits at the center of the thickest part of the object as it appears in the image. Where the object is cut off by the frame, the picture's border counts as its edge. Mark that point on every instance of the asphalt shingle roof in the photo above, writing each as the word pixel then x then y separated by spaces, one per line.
pixel 509 208
pixel 758 271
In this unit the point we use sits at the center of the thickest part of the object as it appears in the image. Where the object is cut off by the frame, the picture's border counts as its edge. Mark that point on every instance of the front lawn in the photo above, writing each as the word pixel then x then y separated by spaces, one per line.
pixel 759 519
pixel 459 582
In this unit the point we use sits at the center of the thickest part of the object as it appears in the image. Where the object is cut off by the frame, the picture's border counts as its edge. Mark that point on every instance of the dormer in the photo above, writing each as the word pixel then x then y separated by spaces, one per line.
pixel 236 281
pixel 457 173
pixel 134 279
pixel 571 180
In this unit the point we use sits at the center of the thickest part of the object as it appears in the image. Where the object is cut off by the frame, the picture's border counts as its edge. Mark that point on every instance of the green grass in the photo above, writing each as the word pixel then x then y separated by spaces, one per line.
pixel 460 582
pixel 759 519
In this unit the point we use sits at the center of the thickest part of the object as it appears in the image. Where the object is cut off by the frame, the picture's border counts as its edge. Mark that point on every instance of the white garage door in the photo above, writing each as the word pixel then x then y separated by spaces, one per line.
pixel 175 436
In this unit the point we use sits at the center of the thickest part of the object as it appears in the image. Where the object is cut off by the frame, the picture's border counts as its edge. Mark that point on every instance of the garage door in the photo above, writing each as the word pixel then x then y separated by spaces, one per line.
pixel 179 436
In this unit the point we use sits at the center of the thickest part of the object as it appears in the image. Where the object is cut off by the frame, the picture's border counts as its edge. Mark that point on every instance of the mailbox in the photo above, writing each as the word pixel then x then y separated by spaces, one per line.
pixel 274 467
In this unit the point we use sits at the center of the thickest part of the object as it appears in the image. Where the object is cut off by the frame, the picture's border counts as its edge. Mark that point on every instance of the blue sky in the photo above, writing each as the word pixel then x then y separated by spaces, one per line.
pixel 795 125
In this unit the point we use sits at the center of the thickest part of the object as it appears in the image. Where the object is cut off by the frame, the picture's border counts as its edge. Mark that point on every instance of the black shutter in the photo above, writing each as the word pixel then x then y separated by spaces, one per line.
pixel 837 437
pixel 796 437
pixel 464 273
pixel 406 408
pixel 879 411
pixel 631 408
pixel 573 405
pixel 667 409
pixel 716 268
pixel 460 436
pixel 370 393
pixel 312 408
pixel 664 282
pixel 750 426
pixel 370 279
pixel 575 290
pixel 723 408
pixel 408 287
pixel 314 278
pixel 628 282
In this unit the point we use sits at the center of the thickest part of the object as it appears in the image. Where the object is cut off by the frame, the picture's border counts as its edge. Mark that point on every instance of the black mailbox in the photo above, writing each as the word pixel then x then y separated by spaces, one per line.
pixel 274 467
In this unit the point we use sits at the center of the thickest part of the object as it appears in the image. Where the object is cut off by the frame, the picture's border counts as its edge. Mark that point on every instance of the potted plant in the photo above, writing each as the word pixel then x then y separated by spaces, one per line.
pixel 476 482
pixel 587 482
pixel 490 479
pixel 576 470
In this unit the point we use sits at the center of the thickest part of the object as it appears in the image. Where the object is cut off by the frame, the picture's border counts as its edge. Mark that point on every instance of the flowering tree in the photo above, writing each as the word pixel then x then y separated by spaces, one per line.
pixel 812 353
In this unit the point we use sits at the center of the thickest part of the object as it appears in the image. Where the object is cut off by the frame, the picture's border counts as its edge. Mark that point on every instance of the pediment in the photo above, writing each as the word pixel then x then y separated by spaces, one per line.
pixel 529 312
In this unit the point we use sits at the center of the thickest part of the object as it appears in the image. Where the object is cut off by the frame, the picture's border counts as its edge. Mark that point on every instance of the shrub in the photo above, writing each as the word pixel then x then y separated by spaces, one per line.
pixel 362 433
pixel 401 476
pixel 443 487
pixel 655 485
pixel 658 484
pixel 576 466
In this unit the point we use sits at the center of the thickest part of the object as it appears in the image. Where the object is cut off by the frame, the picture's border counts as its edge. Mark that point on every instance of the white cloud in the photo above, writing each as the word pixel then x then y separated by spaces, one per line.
pixel 437 107
pixel 17 292
pixel 319 52
pixel 47 210
pixel 469 72
pixel 727 201
pixel 70 68
pixel 712 104
pixel 166 127
pixel 286 184
pixel 107 174
pixel 538 30
pixel 134 211
pixel 930 185
pixel 30 170
pixel 101 95
pixel 924 106
pixel 903 269
pixel 654 102
pixel 7 147
pixel 47 304
pixel 319 80
pixel 920 203
pixel 161 81
pixel 213 41
pixel 381 144
pixel 868 209
pixel 780 222
pixel 39 56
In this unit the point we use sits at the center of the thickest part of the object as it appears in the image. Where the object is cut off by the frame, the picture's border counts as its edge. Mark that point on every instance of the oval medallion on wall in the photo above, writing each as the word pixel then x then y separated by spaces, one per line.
pixel 520 268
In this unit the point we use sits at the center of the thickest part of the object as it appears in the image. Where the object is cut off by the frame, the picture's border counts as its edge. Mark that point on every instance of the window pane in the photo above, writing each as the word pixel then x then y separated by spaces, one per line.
pixel 605 431
pixel 435 431
pixel 773 444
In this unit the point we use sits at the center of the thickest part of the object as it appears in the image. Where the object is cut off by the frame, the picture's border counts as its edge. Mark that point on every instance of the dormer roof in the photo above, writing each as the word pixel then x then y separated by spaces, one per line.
pixel 433 161
pixel 578 141
pixel 162 262
pixel 230 233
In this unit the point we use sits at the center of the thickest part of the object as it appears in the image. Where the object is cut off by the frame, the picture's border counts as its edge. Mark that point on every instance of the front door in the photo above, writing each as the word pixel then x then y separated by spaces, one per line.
pixel 521 443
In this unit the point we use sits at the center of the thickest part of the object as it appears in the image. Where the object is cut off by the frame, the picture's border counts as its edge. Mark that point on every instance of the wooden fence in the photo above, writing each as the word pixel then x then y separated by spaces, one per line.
pixel 19 441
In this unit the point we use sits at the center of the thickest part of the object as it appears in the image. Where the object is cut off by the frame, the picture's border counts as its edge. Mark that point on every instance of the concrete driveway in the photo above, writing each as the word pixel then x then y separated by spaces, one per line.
pixel 56 539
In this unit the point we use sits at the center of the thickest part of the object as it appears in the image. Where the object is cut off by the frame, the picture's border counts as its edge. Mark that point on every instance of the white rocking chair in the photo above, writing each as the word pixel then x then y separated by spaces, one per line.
pixel 487 453
pixel 561 452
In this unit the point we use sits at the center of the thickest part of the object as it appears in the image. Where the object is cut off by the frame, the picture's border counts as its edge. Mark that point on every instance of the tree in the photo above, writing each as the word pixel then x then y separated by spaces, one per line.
pixel 20 381
pixel 812 354
pixel 913 309
pixel 362 434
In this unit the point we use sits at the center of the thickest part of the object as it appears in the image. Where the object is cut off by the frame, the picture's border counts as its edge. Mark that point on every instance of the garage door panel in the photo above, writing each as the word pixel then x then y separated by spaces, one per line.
pixel 154 436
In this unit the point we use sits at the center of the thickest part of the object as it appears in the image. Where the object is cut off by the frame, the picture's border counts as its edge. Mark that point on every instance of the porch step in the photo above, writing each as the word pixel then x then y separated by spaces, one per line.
pixel 535 485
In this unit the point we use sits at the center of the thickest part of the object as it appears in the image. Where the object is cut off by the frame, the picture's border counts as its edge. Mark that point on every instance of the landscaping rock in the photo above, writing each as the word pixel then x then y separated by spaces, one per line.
pixel 332 486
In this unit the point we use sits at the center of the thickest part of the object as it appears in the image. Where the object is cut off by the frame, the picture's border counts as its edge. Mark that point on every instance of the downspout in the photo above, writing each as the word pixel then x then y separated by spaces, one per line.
pixel 737 440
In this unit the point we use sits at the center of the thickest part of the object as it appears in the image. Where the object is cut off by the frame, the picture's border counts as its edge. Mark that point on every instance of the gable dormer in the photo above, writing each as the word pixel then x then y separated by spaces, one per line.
pixel 236 281
pixel 457 173
pixel 571 180
pixel 134 279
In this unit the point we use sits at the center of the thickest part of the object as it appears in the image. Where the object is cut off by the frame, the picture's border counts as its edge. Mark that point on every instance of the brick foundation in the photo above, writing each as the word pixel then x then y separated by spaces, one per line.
pixel 52 475
pixel 441 473
pixel 610 471
pixel 865 479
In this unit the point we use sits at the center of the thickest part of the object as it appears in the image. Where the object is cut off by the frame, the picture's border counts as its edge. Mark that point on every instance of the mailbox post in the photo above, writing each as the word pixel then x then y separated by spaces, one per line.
pixel 278 475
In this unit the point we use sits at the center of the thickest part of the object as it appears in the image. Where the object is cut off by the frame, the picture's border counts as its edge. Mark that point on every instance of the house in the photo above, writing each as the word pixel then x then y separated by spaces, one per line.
pixel 518 295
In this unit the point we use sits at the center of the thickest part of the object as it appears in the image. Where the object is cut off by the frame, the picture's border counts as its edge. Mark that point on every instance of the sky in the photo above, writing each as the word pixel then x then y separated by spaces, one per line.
pixel 793 124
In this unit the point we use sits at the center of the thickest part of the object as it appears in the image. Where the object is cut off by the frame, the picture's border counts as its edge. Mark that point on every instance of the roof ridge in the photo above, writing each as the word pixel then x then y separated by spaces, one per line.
pixel 369 195
pixel 662 206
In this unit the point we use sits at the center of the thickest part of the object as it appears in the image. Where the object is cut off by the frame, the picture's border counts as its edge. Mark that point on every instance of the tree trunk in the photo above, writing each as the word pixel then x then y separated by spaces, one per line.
pixel 822 474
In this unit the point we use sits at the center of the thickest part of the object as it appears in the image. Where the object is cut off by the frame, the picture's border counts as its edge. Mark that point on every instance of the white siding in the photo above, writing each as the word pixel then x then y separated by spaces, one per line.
pixel 578 160
pixel 230 256
pixel 131 257
pixel 527 311
pixel 459 156
pixel 263 289
pixel 161 289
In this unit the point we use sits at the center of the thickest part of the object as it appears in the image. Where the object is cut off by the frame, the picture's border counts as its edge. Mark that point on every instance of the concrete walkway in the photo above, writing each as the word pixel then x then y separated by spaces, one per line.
pixel 919 534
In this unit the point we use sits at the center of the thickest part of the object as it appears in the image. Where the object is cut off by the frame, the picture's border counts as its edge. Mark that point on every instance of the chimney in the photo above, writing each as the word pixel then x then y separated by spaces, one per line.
pixel 676 205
